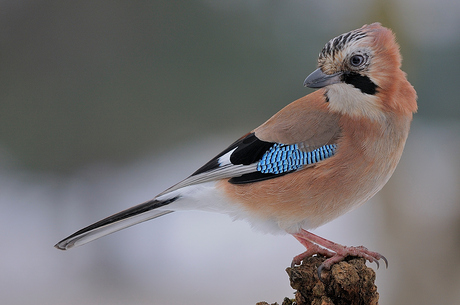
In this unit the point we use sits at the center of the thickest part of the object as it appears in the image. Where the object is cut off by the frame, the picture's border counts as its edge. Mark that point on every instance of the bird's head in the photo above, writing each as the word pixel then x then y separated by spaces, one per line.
pixel 360 69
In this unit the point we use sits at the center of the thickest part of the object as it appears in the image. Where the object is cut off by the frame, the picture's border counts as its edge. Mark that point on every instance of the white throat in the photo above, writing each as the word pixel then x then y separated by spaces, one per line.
pixel 346 99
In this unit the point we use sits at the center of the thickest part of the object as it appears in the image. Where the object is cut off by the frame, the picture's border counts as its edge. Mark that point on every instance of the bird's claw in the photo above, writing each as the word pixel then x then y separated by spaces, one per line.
pixel 385 260
pixel 333 252
pixel 336 258
pixel 320 270
pixel 376 261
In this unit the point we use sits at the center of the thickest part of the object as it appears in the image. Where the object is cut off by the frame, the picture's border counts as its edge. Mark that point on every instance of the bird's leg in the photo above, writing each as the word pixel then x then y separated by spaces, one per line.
pixel 318 245
pixel 312 249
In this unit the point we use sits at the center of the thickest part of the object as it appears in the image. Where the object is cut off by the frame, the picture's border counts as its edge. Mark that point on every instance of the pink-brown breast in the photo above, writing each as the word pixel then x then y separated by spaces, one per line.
pixel 367 154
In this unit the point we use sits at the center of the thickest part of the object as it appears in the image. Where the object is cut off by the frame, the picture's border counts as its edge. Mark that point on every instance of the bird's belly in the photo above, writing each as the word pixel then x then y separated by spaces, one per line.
pixel 212 198
pixel 308 198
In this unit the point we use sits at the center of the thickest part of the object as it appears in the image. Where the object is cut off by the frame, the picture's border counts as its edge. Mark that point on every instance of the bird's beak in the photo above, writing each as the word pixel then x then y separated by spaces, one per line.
pixel 318 79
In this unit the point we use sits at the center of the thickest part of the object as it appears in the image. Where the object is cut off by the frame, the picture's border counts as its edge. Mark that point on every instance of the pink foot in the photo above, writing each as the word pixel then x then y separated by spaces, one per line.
pixel 312 249
pixel 333 251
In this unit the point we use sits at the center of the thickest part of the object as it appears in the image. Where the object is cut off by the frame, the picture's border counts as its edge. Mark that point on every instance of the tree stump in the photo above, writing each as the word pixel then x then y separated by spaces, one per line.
pixel 349 282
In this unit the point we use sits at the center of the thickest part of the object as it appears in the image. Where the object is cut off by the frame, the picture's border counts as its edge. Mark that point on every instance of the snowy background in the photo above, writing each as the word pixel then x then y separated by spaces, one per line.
pixel 104 104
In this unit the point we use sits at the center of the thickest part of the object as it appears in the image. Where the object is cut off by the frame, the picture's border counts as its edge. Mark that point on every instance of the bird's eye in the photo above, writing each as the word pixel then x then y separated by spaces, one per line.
pixel 357 60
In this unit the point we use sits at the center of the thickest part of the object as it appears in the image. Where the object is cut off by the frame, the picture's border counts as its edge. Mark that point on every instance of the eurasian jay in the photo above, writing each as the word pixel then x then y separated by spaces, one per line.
pixel 316 159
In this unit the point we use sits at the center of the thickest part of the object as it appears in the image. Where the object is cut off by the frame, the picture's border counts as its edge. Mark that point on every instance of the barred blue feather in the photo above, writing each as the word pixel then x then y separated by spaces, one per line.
pixel 281 158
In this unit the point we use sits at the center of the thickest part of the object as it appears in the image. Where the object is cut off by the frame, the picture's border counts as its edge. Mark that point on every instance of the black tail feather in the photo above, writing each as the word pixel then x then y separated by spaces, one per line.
pixel 115 222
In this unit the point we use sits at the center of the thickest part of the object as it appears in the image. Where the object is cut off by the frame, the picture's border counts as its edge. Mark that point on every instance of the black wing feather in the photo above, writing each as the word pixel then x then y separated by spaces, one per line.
pixel 249 149
pixel 254 177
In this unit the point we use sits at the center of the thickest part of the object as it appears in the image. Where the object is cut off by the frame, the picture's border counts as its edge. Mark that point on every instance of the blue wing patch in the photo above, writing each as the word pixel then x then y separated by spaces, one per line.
pixel 281 158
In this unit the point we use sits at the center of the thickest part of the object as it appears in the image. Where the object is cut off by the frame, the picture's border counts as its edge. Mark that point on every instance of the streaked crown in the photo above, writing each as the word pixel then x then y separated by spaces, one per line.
pixel 369 60
pixel 338 43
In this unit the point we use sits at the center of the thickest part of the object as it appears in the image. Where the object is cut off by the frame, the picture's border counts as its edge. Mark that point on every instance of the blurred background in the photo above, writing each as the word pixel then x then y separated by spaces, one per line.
pixel 104 104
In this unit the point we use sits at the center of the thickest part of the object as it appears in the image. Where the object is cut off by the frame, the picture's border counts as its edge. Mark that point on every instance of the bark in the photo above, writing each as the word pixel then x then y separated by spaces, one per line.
pixel 349 282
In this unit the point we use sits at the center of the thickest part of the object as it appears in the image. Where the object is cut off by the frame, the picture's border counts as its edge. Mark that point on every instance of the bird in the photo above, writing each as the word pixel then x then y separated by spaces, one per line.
pixel 316 159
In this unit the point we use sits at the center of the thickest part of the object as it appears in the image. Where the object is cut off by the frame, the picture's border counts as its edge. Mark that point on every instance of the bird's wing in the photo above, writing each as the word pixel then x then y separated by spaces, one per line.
pixel 306 121
pixel 294 138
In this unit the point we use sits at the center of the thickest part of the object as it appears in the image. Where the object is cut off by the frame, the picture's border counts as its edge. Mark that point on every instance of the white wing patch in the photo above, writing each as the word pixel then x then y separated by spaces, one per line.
pixel 225 159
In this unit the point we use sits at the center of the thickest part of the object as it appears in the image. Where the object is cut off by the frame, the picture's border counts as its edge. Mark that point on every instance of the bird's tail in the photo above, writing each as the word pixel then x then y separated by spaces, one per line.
pixel 139 213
